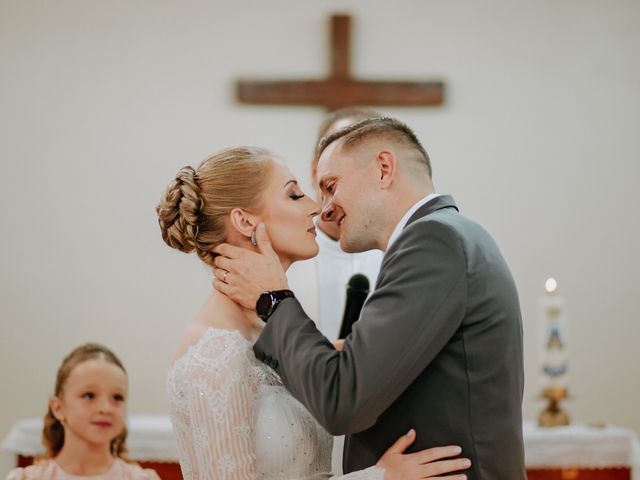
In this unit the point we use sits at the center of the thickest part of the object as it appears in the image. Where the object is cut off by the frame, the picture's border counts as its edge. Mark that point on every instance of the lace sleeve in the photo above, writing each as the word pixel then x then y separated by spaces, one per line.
pixel 213 398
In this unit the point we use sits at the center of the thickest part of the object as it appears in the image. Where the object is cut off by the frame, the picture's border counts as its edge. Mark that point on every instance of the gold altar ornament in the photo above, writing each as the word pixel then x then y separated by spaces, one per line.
pixel 553 415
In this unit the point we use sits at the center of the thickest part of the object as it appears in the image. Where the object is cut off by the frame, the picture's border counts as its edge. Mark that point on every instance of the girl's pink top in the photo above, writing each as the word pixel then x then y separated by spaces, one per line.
pixel 50 470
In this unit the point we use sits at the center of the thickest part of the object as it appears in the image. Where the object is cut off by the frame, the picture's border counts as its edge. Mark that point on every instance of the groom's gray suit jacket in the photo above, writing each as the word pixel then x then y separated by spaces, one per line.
pixel 438 348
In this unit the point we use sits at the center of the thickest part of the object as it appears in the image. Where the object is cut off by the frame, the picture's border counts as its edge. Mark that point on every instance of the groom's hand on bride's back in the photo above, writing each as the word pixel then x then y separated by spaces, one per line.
pixel 243 274
pixel 425 464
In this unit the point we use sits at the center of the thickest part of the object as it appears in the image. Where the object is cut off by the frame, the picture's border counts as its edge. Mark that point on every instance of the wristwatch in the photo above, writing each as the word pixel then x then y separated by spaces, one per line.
pixel 268 301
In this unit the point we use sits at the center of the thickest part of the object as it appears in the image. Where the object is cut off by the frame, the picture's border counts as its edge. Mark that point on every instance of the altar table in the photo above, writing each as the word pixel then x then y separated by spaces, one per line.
pixel 576 452
pixel 581 452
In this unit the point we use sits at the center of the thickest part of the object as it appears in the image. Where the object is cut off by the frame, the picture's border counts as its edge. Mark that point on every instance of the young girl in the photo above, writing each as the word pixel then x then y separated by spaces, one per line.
pixel 84 432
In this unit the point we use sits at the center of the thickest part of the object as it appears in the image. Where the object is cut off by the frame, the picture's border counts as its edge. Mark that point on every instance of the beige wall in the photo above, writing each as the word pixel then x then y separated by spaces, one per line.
pixel 102 102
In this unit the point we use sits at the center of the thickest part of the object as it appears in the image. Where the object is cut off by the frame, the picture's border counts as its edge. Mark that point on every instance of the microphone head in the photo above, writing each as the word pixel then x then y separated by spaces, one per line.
pixel 359 282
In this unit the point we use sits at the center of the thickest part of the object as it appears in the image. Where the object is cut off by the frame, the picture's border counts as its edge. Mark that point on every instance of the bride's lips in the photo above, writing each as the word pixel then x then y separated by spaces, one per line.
pixel 312 231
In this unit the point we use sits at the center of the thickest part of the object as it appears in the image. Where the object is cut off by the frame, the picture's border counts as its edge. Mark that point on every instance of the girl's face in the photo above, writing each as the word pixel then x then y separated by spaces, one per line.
pixel 92 405
pixel 288 217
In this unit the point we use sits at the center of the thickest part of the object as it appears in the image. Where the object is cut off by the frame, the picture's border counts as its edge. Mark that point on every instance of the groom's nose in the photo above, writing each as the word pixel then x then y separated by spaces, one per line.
pixel 328 212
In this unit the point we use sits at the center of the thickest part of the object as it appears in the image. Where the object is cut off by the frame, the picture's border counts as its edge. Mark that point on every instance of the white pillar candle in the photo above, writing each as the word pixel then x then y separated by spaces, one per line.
pixel 553 335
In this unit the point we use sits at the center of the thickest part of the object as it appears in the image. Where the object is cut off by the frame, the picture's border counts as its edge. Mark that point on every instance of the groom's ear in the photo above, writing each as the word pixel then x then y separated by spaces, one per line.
pixel 243 222
pixel 387 165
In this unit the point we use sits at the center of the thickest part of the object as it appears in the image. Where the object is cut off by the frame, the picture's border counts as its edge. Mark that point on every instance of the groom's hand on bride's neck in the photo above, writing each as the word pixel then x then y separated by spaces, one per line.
pixel 243 275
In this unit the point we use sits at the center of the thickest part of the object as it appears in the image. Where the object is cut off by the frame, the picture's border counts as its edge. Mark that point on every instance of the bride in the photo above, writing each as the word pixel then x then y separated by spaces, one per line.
pixel 232 416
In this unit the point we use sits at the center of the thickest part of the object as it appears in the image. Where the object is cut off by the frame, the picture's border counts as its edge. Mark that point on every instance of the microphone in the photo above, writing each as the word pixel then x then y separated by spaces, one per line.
pixel 357 291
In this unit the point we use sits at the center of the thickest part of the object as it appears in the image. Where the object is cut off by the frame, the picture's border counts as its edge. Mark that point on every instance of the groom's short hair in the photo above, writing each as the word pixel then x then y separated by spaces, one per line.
pixel 388 127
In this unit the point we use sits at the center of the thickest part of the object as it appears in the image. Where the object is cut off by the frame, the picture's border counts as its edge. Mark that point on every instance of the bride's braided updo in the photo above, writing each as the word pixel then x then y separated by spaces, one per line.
pixel 193 212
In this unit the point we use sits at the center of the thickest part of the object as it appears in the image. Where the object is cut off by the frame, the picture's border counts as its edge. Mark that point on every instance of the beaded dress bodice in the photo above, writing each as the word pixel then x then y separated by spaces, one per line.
pixel 233 418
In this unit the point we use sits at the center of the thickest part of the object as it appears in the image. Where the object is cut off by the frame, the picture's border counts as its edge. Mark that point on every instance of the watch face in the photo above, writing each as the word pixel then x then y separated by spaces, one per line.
pixel 263 306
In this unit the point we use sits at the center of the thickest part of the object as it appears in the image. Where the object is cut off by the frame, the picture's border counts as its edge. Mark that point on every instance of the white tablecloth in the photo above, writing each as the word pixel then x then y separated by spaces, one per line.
pixel 581 446
pixel 151 438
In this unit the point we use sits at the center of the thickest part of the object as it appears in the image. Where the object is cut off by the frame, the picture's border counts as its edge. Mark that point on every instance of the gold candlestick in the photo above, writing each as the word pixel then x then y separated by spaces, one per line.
pixel 553 357
pixel 553 415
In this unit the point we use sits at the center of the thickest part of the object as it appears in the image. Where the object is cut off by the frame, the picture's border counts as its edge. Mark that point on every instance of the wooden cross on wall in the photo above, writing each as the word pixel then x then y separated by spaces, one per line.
pixel 339 89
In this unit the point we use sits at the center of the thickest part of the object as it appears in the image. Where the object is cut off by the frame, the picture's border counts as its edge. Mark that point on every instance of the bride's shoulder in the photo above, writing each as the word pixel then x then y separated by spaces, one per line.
pixel 203 344
pixel 217 358
pixel 192 333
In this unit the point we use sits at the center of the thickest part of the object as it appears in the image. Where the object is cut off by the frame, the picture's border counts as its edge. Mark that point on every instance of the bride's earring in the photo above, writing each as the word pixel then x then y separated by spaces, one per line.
pixel 253 239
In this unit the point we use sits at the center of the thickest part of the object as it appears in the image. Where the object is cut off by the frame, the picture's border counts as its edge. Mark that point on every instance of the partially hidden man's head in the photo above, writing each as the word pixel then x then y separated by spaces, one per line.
pixel 342 118
pixel 363 171
pixel 333 122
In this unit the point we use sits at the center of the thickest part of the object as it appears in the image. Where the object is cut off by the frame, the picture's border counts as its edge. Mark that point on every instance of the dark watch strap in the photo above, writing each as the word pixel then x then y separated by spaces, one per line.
pixel 268 301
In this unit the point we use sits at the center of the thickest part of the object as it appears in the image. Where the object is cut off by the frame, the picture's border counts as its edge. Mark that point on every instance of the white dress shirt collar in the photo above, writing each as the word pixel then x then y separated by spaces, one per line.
pixel 407 216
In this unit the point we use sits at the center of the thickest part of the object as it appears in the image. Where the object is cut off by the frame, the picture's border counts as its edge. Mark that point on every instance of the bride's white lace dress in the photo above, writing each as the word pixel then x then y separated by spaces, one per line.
pixel 234 419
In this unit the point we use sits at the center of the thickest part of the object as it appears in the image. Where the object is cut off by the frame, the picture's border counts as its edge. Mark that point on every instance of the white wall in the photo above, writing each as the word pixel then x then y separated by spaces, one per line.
pixel 102 102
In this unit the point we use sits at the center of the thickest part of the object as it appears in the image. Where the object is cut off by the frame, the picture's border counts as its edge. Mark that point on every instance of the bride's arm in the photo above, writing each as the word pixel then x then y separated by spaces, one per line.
pixel 219 441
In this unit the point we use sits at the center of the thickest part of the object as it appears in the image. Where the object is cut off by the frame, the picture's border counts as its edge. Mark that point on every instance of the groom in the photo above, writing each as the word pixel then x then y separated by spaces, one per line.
pixel 438 346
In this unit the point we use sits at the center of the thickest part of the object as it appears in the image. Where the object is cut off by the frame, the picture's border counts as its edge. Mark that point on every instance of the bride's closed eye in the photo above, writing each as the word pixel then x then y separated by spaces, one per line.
pixel 295 196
